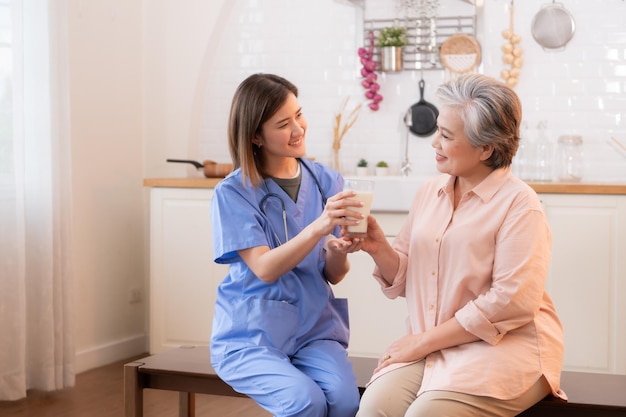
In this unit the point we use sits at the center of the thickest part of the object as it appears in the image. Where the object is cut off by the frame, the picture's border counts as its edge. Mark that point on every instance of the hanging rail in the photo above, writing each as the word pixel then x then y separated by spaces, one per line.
pixel 424 37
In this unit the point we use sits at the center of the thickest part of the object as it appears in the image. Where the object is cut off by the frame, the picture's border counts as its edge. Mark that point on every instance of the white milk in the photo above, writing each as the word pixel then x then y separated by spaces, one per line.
pixel 366 197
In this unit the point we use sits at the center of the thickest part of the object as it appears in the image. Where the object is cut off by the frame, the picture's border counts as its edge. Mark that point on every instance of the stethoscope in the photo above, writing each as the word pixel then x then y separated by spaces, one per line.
pixel 269 195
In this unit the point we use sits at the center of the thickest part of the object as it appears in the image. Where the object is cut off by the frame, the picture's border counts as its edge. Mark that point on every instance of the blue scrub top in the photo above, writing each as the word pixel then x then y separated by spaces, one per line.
pixel 300 306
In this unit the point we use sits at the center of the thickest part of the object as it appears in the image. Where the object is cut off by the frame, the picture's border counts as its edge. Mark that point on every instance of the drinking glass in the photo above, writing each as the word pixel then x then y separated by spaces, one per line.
pixel 364 192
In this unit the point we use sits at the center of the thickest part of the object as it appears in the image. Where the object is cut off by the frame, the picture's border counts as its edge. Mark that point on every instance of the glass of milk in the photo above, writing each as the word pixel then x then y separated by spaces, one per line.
pixel 364 192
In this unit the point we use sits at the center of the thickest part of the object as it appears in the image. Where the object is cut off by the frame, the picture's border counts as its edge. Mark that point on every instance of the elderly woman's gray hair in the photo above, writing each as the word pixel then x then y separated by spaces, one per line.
pixel 491 112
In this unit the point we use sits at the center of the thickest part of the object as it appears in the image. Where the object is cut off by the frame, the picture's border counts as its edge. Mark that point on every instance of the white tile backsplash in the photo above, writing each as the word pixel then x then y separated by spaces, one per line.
pixel 581 89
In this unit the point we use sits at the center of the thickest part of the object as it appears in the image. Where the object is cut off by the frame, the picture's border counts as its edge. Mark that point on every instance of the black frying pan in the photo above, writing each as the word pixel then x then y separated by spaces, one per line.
pixel 423 116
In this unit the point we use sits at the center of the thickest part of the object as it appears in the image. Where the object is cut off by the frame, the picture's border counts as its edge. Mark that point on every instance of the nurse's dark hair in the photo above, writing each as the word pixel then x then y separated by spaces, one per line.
pixel 491 112
pixel 256 99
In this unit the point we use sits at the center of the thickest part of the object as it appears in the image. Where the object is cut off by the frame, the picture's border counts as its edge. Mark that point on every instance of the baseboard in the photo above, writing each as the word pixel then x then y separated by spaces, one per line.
pixel 111 352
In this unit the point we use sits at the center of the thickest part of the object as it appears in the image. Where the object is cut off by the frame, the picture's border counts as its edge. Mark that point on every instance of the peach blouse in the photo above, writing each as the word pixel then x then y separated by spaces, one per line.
pixel 485 263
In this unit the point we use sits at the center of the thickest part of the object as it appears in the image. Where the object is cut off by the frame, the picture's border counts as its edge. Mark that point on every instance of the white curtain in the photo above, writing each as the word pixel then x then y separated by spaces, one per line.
pixel 36 335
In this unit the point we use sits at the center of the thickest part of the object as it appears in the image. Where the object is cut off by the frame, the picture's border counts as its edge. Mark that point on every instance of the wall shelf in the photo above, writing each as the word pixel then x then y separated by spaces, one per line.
pixel 425 37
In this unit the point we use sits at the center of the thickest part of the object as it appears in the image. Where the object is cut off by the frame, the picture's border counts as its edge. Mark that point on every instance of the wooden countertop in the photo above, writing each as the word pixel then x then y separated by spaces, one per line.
pixel 578 188
pixel 181 182
pixel 545 188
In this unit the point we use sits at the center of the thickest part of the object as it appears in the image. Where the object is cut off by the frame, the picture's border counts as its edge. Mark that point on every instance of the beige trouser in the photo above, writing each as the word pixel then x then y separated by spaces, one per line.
pixel 394 395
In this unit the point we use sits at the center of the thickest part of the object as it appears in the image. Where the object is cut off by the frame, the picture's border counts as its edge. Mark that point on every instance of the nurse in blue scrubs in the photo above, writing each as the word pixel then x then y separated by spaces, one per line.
pixel 279 334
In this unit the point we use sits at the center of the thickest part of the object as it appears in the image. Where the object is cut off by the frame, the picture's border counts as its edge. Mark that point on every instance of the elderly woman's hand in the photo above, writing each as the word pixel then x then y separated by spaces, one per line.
pixel 406 349
pixel 375 237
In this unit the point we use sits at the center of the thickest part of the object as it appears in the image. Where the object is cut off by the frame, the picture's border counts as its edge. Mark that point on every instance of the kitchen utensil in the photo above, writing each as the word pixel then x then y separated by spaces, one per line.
pixel 619 146
pixel 460 54
pixel 553 26
pixel 423 115
pixel 405 170
pixel 211 169
pixel 618 143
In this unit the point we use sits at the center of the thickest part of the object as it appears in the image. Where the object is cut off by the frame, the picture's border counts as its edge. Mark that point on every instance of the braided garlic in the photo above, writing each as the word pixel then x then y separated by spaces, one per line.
pixel 512 53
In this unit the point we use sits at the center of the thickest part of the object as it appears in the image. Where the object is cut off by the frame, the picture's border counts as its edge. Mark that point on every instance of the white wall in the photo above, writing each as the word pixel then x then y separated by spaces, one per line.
pixel 577 90
pixel 180 41
pixel 107 152
pixel 153 80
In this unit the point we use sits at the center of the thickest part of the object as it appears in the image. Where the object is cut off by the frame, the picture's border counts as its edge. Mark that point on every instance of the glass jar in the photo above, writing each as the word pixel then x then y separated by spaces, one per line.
pixel 543 158
pixel 570 158
pixel 521 161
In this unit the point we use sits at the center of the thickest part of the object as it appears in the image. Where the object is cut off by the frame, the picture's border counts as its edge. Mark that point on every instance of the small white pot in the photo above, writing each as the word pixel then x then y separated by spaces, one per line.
pixel 382 171
pixel 361 171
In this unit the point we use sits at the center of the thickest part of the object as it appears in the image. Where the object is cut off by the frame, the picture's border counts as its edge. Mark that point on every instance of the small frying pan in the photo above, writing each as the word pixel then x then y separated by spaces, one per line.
pixel 423 115
pixel 211 169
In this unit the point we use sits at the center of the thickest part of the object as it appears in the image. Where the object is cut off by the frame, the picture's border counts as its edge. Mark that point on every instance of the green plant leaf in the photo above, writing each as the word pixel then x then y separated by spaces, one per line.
pixel 391 36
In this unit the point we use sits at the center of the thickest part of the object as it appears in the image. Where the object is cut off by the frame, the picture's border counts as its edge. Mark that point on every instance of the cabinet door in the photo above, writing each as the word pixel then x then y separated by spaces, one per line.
pixel 375 320
pixel 183 276
pixel 587 279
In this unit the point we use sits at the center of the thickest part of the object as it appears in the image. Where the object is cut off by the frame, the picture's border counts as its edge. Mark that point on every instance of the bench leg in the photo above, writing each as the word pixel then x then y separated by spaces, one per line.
pixel 133 391
pixel 186 404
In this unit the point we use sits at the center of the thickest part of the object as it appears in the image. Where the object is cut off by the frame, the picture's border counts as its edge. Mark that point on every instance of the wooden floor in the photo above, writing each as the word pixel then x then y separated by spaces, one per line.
pixel 100 393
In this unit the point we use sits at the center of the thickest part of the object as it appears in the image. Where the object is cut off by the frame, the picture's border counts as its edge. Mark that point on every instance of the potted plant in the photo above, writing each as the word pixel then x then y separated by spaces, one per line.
pixel 361 167
pixel 382 168
pixel 391 40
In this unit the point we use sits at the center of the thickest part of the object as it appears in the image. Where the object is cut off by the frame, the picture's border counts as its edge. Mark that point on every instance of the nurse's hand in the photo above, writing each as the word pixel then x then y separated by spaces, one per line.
pixel 338 212
pixel 343 245
pixel 337 266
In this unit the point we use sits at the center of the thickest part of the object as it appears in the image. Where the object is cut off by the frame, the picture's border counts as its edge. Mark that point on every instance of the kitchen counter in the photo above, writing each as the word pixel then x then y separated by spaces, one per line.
pixel 578 188
pixel 545 188
pixel 196 182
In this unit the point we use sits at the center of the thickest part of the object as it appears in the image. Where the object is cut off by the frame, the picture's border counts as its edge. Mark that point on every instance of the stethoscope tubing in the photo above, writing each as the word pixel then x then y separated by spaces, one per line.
pixel 262 203
pixel 269 195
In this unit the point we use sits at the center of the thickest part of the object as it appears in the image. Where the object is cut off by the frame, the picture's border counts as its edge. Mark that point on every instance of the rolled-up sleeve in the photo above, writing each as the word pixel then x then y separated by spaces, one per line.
pixel 398 285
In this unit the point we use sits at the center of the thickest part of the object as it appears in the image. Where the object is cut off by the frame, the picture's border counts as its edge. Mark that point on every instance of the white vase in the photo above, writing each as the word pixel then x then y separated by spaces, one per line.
pixel 382 171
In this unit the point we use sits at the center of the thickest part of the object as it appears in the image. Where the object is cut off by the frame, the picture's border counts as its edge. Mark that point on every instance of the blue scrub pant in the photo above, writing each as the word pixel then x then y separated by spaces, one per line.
pixel 317 381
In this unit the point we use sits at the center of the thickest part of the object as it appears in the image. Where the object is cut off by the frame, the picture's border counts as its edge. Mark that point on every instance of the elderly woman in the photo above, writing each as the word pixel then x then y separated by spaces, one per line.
pixel 472 261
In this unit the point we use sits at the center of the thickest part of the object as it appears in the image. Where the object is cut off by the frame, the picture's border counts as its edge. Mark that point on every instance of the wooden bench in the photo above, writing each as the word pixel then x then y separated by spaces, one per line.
pixel 187 370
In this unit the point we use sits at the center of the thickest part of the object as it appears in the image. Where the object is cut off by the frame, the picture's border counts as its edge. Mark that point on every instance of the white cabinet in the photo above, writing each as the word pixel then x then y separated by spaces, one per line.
pixel 587 278
pixel 183 276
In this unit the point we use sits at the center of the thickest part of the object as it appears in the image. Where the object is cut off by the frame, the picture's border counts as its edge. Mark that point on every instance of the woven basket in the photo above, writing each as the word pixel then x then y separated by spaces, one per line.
pixel 460 53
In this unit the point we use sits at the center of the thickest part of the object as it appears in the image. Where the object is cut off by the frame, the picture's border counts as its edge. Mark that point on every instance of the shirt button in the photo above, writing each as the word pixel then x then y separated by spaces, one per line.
pixel 433 273
pixel 429 365
pixel 431 307
pixel 437 240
